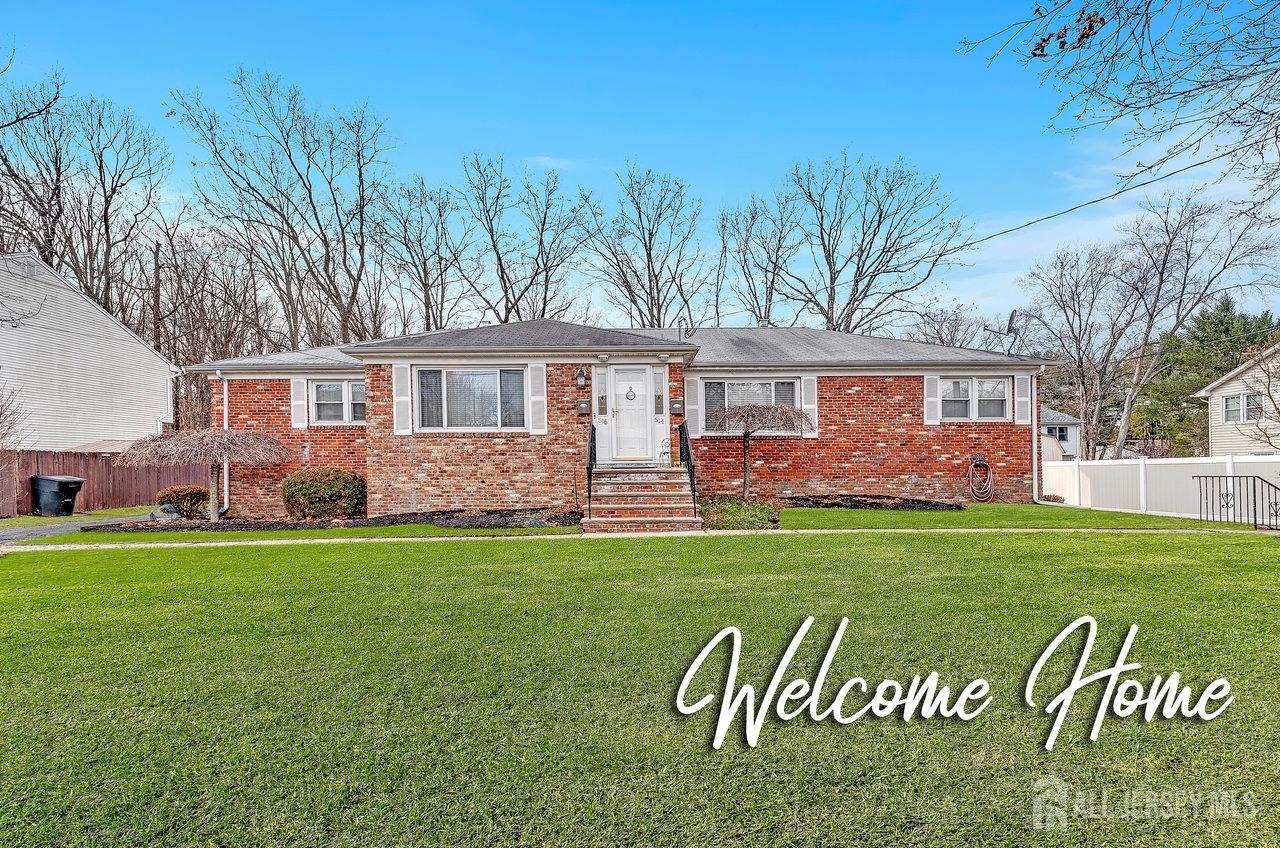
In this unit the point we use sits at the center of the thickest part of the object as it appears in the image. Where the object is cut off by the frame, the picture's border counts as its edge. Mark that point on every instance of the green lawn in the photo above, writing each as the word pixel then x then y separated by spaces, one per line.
pixel 978 515
pixel 496 693
pixel 80 537
pixel 982 515
pixel 39 520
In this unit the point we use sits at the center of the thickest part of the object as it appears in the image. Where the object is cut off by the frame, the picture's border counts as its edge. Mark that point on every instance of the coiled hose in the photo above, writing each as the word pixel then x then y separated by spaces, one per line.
pixel 982 481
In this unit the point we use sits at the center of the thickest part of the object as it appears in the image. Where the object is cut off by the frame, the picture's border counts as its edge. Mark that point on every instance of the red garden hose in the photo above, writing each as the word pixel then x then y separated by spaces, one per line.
pixel 982 482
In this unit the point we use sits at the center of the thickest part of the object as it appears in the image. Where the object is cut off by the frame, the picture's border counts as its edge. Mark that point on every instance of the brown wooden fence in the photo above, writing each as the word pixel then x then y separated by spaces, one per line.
pixel 107 485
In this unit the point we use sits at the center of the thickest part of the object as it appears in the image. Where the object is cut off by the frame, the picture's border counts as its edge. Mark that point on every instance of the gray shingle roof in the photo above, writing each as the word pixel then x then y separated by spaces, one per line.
pixel 314 359
pixel 542 333
pixel 806 347
pixel 1053 416
pixel 747 347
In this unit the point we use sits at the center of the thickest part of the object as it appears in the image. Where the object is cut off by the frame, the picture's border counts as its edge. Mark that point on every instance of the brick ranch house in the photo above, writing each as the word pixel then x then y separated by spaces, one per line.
pixel 499 416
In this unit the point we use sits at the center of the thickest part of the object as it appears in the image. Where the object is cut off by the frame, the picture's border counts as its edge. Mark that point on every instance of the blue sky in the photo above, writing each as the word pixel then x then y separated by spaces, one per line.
pixel 723 96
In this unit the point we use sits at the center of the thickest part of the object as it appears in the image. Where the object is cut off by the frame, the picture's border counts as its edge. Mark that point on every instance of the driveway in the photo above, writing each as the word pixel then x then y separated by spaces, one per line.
pixel 9 535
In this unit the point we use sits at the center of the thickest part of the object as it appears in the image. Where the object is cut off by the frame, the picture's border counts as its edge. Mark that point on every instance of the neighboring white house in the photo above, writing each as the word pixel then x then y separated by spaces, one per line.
pixel 1063 428
pixel 1242 407
pixel 76 373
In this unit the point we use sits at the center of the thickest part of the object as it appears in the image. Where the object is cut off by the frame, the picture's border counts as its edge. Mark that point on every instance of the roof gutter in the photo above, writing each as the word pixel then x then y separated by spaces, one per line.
pixel 586 350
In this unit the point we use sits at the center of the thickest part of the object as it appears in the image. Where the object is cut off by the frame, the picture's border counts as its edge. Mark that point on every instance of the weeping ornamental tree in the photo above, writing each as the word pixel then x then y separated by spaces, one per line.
pixel 752 419
pixel 209 447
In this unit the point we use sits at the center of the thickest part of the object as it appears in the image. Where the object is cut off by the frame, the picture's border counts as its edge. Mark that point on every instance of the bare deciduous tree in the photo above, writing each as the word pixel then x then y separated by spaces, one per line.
pixel 646 254
pixel 426 243
pixel 872 235
pixel 758 241
pixel 1179 255
pixel 750 420
pixel 1192 77
pixel 308 184
pixel 115 191
pixel 1084 316
pixel 528 238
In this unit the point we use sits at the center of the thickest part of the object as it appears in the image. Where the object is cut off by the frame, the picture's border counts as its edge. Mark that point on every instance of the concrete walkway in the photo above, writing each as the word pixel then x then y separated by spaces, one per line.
pixel 362 540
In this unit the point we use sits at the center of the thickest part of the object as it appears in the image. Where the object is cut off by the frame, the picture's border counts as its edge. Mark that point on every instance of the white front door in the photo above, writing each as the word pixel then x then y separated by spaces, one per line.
pixel 632 414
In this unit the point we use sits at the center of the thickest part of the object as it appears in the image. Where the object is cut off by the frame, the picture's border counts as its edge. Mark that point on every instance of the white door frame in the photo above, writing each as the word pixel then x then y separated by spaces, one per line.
pixel 647 371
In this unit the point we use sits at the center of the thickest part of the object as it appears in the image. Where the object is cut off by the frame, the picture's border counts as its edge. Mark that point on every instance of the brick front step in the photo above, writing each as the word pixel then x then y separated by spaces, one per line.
pixel 639 525
pixel 646 511
pixel 631 496
pixel 641 488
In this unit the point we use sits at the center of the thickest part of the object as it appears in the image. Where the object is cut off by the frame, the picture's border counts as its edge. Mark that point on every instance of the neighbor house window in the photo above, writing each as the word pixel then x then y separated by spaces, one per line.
pixel 471 398
pixel 970 398
pixel 719 395
pixel 1246 406
pixel 337 402
pixel 1057 432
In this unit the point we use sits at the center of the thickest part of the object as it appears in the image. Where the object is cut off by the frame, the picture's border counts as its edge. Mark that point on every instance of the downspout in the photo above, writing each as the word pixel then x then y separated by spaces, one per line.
pixel 1035 442
pixel 226 425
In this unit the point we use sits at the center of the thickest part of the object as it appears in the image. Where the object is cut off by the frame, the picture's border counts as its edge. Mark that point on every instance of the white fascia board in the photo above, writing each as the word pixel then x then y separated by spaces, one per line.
pixel 871 371
pixel 295 374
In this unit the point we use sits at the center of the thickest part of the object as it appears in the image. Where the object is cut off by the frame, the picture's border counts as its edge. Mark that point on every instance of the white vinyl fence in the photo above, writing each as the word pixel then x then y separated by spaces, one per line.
pixel 1156 486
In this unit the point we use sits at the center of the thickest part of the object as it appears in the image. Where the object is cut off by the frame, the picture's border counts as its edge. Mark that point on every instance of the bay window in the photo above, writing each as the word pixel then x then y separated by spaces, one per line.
pixel 471 398
pixel 337 402
pixel 974 398
pixel 721 395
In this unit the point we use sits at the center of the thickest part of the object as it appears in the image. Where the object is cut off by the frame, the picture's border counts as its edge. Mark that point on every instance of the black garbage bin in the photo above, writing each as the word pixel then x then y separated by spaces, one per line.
pixel 54 494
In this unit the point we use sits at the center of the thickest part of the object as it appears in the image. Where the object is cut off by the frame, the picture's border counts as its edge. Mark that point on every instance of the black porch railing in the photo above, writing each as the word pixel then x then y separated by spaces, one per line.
pixel 591 462
pixel 686 459
pixel 1239 499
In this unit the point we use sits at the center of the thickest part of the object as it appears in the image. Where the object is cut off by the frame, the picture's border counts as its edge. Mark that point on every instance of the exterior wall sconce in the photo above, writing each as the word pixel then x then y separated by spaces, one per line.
pixel 663 357
pixel 582 378
pixel 603 357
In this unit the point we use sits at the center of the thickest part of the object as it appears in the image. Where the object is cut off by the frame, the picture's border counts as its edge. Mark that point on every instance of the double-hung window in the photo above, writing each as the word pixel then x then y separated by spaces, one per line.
pixel 721 395
pixel 1246 406
pixel 471 398
pixel 1057 432
pixel 974 399
pixel 337 402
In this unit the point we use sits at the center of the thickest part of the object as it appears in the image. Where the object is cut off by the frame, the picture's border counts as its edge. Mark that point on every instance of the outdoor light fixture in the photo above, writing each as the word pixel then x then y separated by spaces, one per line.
pixel 603 357
pixel 582 378
pixel 663 357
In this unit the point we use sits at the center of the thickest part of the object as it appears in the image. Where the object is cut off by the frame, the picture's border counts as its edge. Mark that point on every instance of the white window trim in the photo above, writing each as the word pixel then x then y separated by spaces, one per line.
pixel 1243 398
pixel 744 378
pixel 444 398
pixel 973 416
pixel 347 420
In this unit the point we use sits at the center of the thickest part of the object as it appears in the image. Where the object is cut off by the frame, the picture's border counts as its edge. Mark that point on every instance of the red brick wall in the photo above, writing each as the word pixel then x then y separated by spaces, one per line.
pixel 264 405
pixel 675 389
pixel 432 471
pixel 871 440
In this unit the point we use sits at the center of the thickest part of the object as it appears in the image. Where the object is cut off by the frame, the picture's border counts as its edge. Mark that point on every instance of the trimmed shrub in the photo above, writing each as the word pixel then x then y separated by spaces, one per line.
pixel 737 514
pixel 323 493
pixel 189 501
pixel 1053 498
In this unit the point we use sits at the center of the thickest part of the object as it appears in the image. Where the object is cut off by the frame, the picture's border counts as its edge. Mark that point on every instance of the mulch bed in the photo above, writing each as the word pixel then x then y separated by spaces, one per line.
pixel 870 502
pixel 498 519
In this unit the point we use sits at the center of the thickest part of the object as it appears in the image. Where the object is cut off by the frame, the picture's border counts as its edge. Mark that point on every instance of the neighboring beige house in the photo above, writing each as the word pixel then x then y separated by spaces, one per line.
pixel 1242 407
pixel 77 374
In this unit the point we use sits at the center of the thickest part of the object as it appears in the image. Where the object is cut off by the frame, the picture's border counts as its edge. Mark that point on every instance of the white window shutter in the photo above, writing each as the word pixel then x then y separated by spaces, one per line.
pixel 932 401
pixel 298 402
pixel 537 399
pixel 692 403
pixel 1022 400
pixel 401 401
pixel 809 403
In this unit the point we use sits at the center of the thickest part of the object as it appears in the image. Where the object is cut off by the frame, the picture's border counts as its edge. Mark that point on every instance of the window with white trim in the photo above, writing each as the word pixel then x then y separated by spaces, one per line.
pixel 1057 431
pixel 719 395
pixel 974 398
pixel 337 402
pixel 1247 403
pixel 471 398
